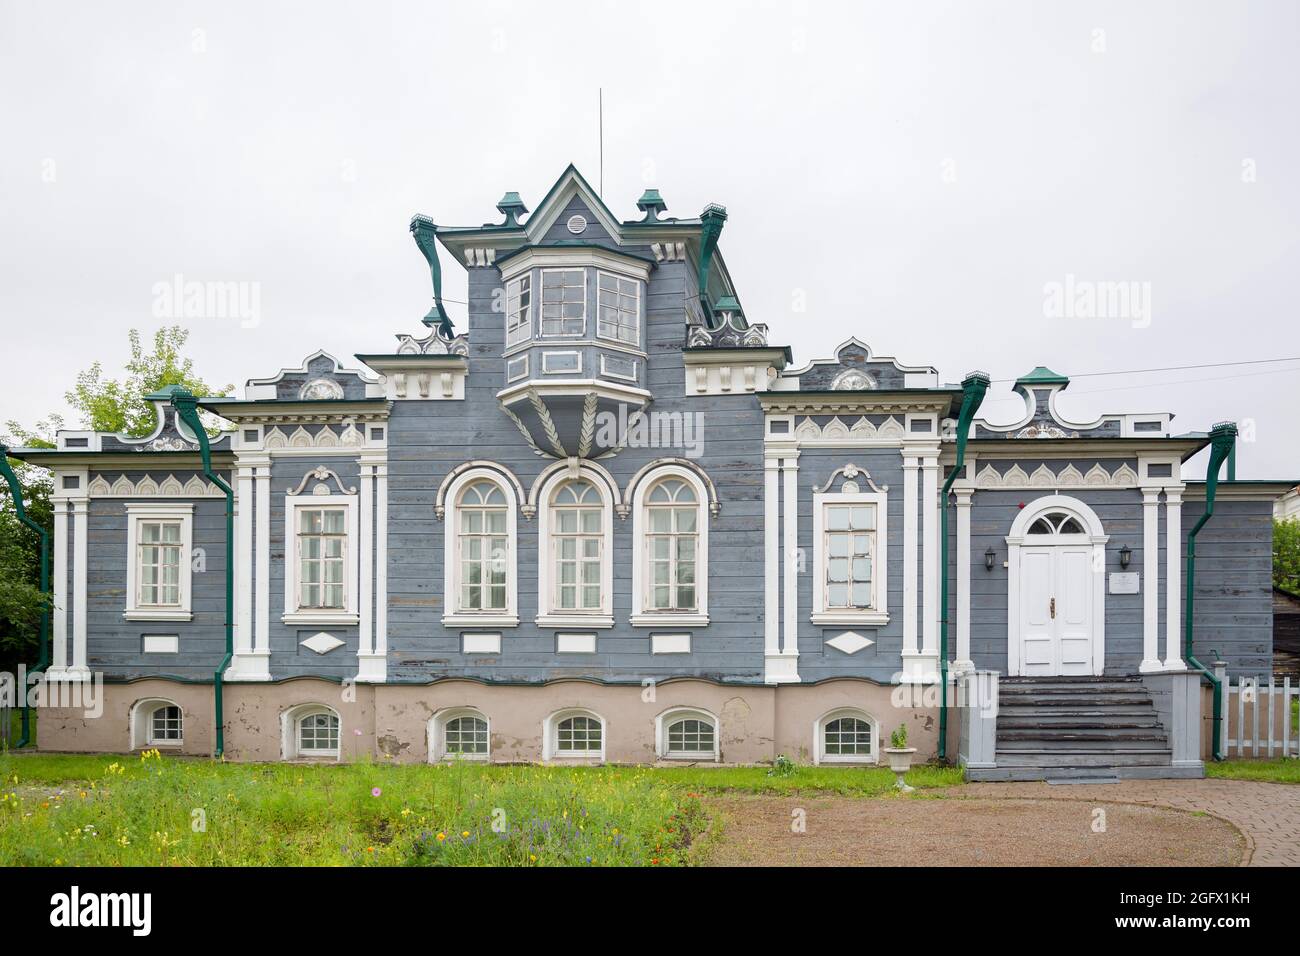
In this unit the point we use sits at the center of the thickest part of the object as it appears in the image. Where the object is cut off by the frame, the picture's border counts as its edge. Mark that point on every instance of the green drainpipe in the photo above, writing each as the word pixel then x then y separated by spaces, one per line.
pixel 1223 444
pixel 43 660
pixel 186 407
pixel 973 388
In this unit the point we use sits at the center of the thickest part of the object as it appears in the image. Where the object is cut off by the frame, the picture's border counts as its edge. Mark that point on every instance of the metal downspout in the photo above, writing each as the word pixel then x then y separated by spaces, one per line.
pixel 973 388
pixel 186 407
pixel 1223 446
pixel 43 658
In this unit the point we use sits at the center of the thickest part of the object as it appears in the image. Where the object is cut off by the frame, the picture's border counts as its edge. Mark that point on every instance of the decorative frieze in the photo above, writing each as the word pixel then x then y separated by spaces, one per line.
pixel 836 431
pixel 988 477
pixel 148 487
pixel 347 436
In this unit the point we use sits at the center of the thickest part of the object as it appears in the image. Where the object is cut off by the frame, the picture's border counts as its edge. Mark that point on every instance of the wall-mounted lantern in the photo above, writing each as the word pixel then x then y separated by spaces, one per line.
pixel 989 557
pixel 1125 556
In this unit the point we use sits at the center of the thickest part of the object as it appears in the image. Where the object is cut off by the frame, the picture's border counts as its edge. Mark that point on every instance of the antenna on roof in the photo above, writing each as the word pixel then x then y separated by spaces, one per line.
pixel 600 134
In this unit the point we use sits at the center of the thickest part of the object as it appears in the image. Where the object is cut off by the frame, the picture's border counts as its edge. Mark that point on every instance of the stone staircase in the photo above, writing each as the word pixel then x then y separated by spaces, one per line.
pixel 1079 728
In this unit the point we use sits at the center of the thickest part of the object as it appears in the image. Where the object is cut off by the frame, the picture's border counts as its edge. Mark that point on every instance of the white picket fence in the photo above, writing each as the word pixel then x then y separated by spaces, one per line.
pixel 1257 718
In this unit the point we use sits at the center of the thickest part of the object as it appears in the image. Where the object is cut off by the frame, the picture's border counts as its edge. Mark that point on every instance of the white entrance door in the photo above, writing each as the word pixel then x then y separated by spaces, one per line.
pixel 1056 621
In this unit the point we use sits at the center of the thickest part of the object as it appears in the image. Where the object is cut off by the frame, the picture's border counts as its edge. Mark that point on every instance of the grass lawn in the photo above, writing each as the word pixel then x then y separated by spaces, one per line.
pixel 1279 770
pixel 150 810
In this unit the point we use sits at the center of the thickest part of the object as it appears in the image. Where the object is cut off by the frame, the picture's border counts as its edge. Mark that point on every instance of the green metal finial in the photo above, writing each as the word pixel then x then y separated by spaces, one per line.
pixel 511 206
pixel 652 204
pixel 425 232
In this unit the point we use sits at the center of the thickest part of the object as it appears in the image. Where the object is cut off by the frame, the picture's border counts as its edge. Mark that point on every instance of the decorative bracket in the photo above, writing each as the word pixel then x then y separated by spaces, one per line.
pixel 322 476
pixel 852 472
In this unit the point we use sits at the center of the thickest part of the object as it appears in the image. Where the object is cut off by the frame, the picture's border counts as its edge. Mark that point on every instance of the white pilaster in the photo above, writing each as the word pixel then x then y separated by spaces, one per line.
pixel 262 586
pixel 963 662
pixel 371 667
pixel 381 564
pixel 1150 581
pixel 780 564
pixel 80 515
pixel 248 664
pixel 912 671
pixel 930 556
pixel 790 530
pixel 59 635
pixel 771 556
pixel 1173 578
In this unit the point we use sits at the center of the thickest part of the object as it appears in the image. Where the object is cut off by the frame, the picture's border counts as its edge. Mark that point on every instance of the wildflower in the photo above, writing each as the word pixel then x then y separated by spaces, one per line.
pixel 464 833
pixel 376 792
pixel 441 836
pixel 407 811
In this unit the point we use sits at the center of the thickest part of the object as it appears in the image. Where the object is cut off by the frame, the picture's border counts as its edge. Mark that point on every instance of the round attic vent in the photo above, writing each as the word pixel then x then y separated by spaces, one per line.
pixel 577 225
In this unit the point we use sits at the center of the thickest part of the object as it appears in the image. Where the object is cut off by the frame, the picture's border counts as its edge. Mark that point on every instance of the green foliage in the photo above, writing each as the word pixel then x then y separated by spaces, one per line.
pixel 21 597
pixel 1280 770
pixel 1286 555
pixel 118 405
pixel 782 766
pixel 898 739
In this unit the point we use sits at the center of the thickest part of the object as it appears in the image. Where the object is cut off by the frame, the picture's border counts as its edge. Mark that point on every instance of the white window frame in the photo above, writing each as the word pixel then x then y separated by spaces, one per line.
pixel 289 732
pixel 605 370
pixel 551 736
pixel 546 364
pixel 136 514
pixel 819 738
pixel 670 717
pixel 141 729
pixel 617 277
pixel 548 615
pixel 523 330
pixel 294 613
pixel 453 614
pixel 438 735
pixel 521 363
pixel 878 614
pixel 541 304
pixel 642 614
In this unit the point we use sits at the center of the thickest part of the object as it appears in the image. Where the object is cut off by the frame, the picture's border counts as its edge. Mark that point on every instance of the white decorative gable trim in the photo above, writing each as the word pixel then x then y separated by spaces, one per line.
pixel 347 436
pixel 852 472
pixel 322 475
pixel 862 431
pixel 147 487
pixel 988 477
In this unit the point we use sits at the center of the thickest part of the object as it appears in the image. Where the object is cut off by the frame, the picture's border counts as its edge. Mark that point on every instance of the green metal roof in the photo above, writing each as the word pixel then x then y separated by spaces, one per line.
pixel 1043 375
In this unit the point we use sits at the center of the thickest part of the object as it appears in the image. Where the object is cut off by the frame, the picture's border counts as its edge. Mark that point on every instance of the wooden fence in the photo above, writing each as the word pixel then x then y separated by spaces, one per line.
pixel 1259 718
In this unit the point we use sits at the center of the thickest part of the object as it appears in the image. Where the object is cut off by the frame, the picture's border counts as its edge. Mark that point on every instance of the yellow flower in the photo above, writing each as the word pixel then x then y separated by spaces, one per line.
pixel 464 833
pixel 532 858
pixel 441 837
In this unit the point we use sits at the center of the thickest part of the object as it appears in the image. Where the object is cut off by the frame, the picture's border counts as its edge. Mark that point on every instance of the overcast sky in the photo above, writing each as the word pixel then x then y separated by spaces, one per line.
pixel 913 174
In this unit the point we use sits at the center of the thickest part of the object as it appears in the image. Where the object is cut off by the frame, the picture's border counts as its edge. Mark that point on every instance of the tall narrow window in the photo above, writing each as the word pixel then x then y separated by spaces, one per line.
pixel 519 310
pixel 850 535
pixel 165 725
pixel 672 529
pixel 484 547
pixel 159 558
pixel 564 301
pixel 578 520
pixel 619 308
pixel 322 545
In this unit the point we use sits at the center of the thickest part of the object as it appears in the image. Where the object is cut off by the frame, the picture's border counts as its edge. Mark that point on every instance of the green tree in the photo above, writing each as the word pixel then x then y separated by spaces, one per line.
pixel 1286 555
pixel 118 405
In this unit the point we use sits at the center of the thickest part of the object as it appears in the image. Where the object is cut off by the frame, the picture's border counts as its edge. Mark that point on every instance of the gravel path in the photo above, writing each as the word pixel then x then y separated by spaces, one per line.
pixel 962 828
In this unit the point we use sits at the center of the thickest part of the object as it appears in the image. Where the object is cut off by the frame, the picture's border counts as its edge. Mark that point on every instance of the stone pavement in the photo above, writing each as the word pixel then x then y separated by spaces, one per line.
pixel 1267 814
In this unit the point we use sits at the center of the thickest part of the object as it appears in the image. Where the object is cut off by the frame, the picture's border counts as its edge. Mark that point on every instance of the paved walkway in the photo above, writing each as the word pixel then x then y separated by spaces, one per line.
pixel 1267 814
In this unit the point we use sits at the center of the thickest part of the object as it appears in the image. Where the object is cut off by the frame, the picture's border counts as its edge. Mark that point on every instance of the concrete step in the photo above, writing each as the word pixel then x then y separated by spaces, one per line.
pixel 1074 700
pixel 1082 774
pixel 1094 721
pixel 1072 687
pixel 1076 713
pixel 1154 757
pixel 1089 740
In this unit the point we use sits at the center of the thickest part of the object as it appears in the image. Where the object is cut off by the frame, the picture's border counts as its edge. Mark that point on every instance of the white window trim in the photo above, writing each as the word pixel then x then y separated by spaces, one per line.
pixel 141 728
pixel 293 613
pixel 546 365
pixel 438 739
pixel 527 325
pixel 604 369
pixel 878 615
pixel 640 308
pixel 454 615
pixel 551 736
pixel 289 721
pixel 547 616
pixel 642 616
pixel 522 362
pixel 674 714
pixel 541 288
pixel 153 511
pixel 819 739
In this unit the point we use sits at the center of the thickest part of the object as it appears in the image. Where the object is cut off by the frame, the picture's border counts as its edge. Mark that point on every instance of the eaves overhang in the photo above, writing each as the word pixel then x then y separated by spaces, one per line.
pixel 296 409
pixel 778 355
pixel 827 401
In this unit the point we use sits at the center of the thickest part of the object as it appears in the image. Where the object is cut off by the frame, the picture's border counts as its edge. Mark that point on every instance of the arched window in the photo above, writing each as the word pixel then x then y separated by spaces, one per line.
pixel 670 532
pixel 157 722
pixel 575 734
pixel 479 575
pixel 483 547
pixel 687 734
pixel 1056 522
pixel 461 733
pixel 847 736
pixel 575 544
pixel 310 730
